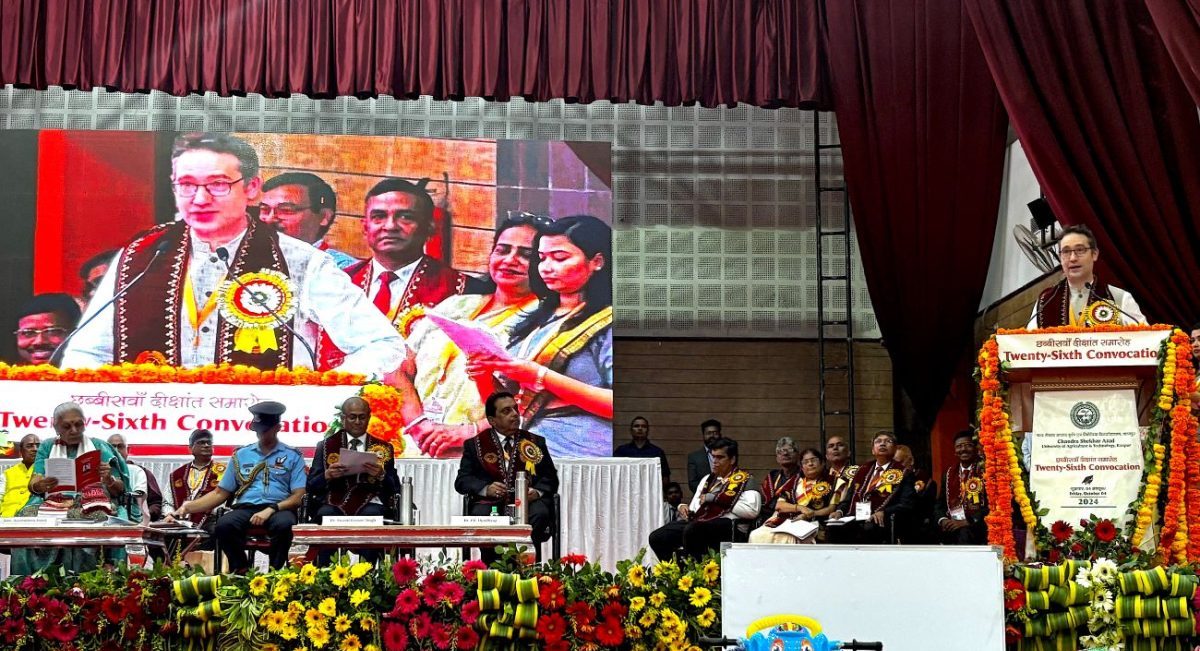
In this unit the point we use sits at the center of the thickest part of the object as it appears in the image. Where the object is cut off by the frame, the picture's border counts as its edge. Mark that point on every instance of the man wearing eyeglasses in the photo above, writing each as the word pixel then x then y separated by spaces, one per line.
pixel 42 324
pixel 1070 302
pixel 186 309
pixel 303 206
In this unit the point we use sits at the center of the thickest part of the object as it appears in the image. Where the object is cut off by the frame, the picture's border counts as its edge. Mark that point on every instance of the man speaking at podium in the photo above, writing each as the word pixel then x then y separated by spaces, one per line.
pixel 1073 300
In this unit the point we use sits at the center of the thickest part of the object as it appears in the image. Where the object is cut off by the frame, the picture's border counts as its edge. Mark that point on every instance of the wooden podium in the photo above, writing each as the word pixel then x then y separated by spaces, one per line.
pixel 1083 399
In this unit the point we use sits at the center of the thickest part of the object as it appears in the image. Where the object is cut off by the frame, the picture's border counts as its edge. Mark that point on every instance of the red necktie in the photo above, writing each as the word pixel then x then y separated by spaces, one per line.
pixel 383 300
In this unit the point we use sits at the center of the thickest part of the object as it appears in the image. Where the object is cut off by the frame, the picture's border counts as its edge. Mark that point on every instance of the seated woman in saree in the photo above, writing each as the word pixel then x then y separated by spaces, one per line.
pixel 561 355
pixel 451 408
pixel 810 500
pixel 94 502
pixel 781 482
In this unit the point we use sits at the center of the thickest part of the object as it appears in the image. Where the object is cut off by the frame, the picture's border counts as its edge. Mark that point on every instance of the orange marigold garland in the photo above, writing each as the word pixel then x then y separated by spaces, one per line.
pixel 1178 377
pixel 995 435
pixel 1144 515
pixel 1183 424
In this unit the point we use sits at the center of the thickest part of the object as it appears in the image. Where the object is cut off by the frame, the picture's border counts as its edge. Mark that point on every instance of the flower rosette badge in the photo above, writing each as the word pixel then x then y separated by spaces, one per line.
pixel 255 303
pixel 530 454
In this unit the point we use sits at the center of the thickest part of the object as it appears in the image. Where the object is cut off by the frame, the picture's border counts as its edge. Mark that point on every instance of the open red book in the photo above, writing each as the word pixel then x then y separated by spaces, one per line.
pixel 74 474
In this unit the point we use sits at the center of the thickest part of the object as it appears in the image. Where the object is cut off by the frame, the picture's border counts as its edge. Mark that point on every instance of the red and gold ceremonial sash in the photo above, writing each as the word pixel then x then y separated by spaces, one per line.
pixel 136 332
pixel 965 489
pixel 491 456
pixel 181 492
pixel 1054 303
pixel 877 488
pixel 727 491
pixel 777 485
pixel 350 493
pixel 431 283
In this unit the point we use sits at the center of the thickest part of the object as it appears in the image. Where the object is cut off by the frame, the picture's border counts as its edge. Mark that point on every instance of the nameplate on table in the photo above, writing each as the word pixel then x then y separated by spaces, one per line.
pixel 487 520
pixel 352 521
pixel 35 521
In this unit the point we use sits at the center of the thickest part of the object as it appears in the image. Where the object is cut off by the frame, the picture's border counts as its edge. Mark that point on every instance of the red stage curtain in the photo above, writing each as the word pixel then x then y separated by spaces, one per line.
pixel 1178 23
pixel 923 136
pixel 1111 134
pixel 711 52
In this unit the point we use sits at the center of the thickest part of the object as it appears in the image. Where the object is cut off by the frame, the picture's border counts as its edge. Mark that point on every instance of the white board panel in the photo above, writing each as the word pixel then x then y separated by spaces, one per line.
pixel 911 598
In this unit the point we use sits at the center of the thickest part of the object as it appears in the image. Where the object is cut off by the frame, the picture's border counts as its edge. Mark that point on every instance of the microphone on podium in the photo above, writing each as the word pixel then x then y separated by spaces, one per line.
pixel 261 301
pixel 159 249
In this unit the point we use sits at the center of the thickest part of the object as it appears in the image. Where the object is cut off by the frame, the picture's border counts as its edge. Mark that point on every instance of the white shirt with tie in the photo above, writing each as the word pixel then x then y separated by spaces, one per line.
pixel 398 285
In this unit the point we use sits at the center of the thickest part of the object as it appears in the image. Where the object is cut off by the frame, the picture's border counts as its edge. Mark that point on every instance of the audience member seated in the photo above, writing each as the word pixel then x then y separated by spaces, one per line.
pixel 781 482
pixel 672 498
pixel 698 463
pixel 96 502
pixel 839 465
pixel 641 448
pixel 963 504
pixel 148 499
pixel 881 490
pixel 14 481
pixel 810 499
pixel 918 527
pixel 366 493
pixel 266 484
pixel 487 474
pixel 194 480
pixel 725 494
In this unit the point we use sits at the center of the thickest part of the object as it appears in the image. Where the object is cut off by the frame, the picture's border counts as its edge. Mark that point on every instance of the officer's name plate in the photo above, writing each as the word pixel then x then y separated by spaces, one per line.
pixel 352 521
pixel 36 521
pixel 490 520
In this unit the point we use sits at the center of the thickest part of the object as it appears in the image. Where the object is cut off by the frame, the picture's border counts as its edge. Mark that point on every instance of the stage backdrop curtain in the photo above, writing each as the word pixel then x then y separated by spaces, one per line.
pixel 1111 134
pixel 1178 23
pixel 923 136
pixel 711 52
pixel 610 506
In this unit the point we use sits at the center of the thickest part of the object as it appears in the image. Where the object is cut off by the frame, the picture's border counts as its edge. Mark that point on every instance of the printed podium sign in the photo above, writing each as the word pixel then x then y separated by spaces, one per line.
pixel 1086 454
pixel 1081 349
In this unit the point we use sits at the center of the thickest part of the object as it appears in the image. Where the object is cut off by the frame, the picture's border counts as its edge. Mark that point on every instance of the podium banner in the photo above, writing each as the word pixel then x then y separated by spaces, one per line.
pixel 1082 349
pixel 1086 454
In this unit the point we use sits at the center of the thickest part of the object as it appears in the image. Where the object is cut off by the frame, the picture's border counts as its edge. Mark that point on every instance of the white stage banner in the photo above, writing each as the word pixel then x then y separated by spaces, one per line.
pixel 163 415
pixel 1084 349
pixel 1087 454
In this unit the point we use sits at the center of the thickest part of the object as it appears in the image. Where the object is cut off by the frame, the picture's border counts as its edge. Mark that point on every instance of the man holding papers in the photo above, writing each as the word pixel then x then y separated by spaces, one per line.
pixel 353 473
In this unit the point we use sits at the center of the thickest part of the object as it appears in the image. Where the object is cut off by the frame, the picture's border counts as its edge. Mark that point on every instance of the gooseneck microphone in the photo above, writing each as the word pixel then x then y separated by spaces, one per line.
pixel 159 249
pixel 260 300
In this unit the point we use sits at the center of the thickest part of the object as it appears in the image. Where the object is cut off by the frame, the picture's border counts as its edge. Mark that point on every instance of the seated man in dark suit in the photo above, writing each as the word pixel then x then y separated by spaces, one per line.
pixel 366 493
pixel 881 490
pixel 491 461
pixel 963 505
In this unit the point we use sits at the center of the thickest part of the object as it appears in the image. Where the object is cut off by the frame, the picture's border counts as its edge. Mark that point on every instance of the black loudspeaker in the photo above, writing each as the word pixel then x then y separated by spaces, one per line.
pixel 1043 216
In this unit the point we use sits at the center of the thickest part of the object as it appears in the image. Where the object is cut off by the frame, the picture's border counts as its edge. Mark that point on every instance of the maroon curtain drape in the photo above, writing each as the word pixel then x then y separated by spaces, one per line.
pixel 923 136
pixel 1178 23
pixel 1111 134
pixel 711 52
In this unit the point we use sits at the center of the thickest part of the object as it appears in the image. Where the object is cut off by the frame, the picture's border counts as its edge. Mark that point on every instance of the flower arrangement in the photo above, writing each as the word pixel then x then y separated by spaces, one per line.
pixel 152 372
pixel 102 610
pixel 672 605
pixel 434 607
pixel 1101 578
pixel 1093 538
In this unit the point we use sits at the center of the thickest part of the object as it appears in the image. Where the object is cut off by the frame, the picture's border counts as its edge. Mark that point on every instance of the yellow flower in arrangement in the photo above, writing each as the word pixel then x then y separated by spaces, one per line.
pixel 694 648
pixel 340 576
pixel 289 633
pixel 281 593
pixel 351 643
pixel 269 647
pixel 308 574
pixel 701 597
pixel 647 619
pixel 328 607
pixel 274 620
pixel 685 583
pixel 358 597
pixel 370 647
pixel 359 570
pixel 287 579
pixel 665 568
pixel 706 618
pixel 657 599
pixel 636 604
pixel 341 624
pixel 633 632
pixel 318 636
pixel 313 617
pixel 711 572
pixel 367 623
pixel 258 586
pixel 636 576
